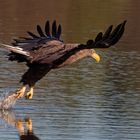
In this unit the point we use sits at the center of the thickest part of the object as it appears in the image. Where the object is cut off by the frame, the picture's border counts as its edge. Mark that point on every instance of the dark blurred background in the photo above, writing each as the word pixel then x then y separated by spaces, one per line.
pixel 80 19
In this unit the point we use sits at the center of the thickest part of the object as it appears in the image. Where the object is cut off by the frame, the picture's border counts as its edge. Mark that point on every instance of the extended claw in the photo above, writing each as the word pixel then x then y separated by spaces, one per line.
pixel 20 92
pixel 29 94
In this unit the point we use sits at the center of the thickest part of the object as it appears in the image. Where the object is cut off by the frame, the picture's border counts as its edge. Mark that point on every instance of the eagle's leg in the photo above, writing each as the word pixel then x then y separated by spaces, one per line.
pixel 29 94
pixel 32 75
pixel 21 91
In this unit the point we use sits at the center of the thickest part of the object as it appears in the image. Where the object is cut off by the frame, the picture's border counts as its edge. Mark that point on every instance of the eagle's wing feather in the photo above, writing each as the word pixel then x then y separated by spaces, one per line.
pixel 109 38
pixel 35 40
pixel 51 52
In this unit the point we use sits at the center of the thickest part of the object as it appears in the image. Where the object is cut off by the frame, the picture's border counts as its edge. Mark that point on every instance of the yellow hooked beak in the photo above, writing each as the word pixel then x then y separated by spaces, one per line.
pixel 96 57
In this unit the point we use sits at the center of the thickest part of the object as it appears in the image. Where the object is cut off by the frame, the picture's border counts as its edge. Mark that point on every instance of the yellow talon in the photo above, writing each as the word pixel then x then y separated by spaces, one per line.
pixel 20 92
pixel 29 94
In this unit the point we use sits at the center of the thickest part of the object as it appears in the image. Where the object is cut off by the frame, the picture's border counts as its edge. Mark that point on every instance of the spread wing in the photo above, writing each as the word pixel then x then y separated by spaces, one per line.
pixel 52 51
pixel 46 47
pixel 109 38
pixel 35 42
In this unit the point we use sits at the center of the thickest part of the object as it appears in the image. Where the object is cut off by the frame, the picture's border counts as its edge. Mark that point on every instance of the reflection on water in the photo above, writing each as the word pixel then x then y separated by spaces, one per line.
pixel 23 125
pixel 86 100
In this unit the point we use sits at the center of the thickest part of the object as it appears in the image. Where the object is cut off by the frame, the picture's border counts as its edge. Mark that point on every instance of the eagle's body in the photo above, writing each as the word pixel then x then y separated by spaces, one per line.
pixel 46 51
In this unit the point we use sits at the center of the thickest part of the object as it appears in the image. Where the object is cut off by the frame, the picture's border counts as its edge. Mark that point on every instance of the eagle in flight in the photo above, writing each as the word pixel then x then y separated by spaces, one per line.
pixel 46 51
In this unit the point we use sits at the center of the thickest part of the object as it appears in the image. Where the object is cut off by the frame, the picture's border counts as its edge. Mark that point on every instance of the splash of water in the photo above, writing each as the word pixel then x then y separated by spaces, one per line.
pixel 8 101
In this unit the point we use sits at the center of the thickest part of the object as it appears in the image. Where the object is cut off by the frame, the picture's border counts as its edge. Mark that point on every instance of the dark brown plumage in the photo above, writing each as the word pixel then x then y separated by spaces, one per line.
pixel 47 51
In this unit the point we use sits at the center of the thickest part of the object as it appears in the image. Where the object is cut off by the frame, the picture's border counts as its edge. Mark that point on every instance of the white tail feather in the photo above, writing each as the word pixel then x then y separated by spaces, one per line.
pixel 16 49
